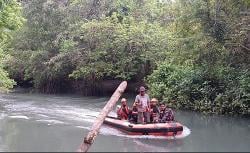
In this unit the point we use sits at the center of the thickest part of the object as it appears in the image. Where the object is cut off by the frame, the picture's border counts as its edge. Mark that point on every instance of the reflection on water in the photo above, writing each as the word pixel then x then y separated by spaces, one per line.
pixel 37 122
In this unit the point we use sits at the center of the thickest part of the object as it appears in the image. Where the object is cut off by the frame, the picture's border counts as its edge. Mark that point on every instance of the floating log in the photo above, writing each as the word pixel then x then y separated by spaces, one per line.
pixel 89 139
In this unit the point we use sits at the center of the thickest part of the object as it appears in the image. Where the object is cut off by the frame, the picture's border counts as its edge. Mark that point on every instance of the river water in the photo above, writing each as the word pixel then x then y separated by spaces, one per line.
pixel 39 122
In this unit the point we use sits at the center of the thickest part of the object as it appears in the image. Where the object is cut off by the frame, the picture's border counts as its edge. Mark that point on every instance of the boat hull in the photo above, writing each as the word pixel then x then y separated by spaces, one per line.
pixel 156 129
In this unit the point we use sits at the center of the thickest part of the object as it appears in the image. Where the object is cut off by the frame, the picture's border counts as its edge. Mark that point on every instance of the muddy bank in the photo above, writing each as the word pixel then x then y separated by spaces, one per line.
pixel 104 87
pixel 82 87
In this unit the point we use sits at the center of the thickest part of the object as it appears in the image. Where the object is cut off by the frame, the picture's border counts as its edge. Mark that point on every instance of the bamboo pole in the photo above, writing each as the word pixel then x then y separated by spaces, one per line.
pixel 89 139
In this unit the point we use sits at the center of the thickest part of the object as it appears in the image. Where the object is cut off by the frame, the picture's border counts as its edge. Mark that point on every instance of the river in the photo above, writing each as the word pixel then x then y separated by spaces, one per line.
pixel 39 122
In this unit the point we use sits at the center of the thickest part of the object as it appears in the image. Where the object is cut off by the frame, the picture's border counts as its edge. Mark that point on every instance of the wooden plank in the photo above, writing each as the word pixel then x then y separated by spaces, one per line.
pixel 89 139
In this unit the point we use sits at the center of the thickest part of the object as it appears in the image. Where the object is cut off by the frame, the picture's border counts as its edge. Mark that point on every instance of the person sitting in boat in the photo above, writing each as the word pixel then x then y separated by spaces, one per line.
pixel 166 114
pixel 123 111
pixel 154 112
pixel 134 113
pixel 143 106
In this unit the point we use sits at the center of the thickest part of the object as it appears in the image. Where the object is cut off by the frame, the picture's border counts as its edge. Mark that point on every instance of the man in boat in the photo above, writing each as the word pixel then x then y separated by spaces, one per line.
pixel 143 106
pixel 154 112
pixel 134 113
pixel 166 114
pixel 123 111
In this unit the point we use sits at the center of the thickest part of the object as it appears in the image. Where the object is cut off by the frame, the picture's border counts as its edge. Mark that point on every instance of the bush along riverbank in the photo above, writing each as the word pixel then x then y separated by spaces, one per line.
pixel 207 72
pixel 192 54
pixel 221 92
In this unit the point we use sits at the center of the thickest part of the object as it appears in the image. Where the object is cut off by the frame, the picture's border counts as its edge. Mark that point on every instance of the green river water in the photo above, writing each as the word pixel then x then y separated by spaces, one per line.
pixel 39 122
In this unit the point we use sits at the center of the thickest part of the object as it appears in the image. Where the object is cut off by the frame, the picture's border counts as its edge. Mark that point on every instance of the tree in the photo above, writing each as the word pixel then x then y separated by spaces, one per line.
pixel 76 39
pixel 10 20
pixel 200 73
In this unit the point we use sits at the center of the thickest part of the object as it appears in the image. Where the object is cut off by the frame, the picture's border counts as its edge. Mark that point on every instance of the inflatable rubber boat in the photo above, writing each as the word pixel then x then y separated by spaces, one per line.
pixel 157 129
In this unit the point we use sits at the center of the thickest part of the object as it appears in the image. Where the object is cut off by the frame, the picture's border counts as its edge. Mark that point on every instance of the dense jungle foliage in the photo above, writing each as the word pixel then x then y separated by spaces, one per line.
pixel 192 54
pixel 10 20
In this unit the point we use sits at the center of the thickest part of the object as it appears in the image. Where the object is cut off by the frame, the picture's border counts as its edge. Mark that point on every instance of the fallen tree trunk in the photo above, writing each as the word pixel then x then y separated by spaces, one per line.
pixel 89 139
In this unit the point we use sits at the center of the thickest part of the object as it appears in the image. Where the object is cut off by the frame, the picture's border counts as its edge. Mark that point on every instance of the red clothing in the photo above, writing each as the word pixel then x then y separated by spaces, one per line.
pixel 123 112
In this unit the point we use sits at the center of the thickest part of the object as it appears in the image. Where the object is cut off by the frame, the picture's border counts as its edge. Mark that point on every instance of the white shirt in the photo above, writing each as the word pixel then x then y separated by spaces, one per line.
pixel 143 100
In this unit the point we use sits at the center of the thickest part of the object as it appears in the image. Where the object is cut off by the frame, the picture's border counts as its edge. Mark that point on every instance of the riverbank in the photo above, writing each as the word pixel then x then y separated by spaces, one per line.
pixel 81 87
